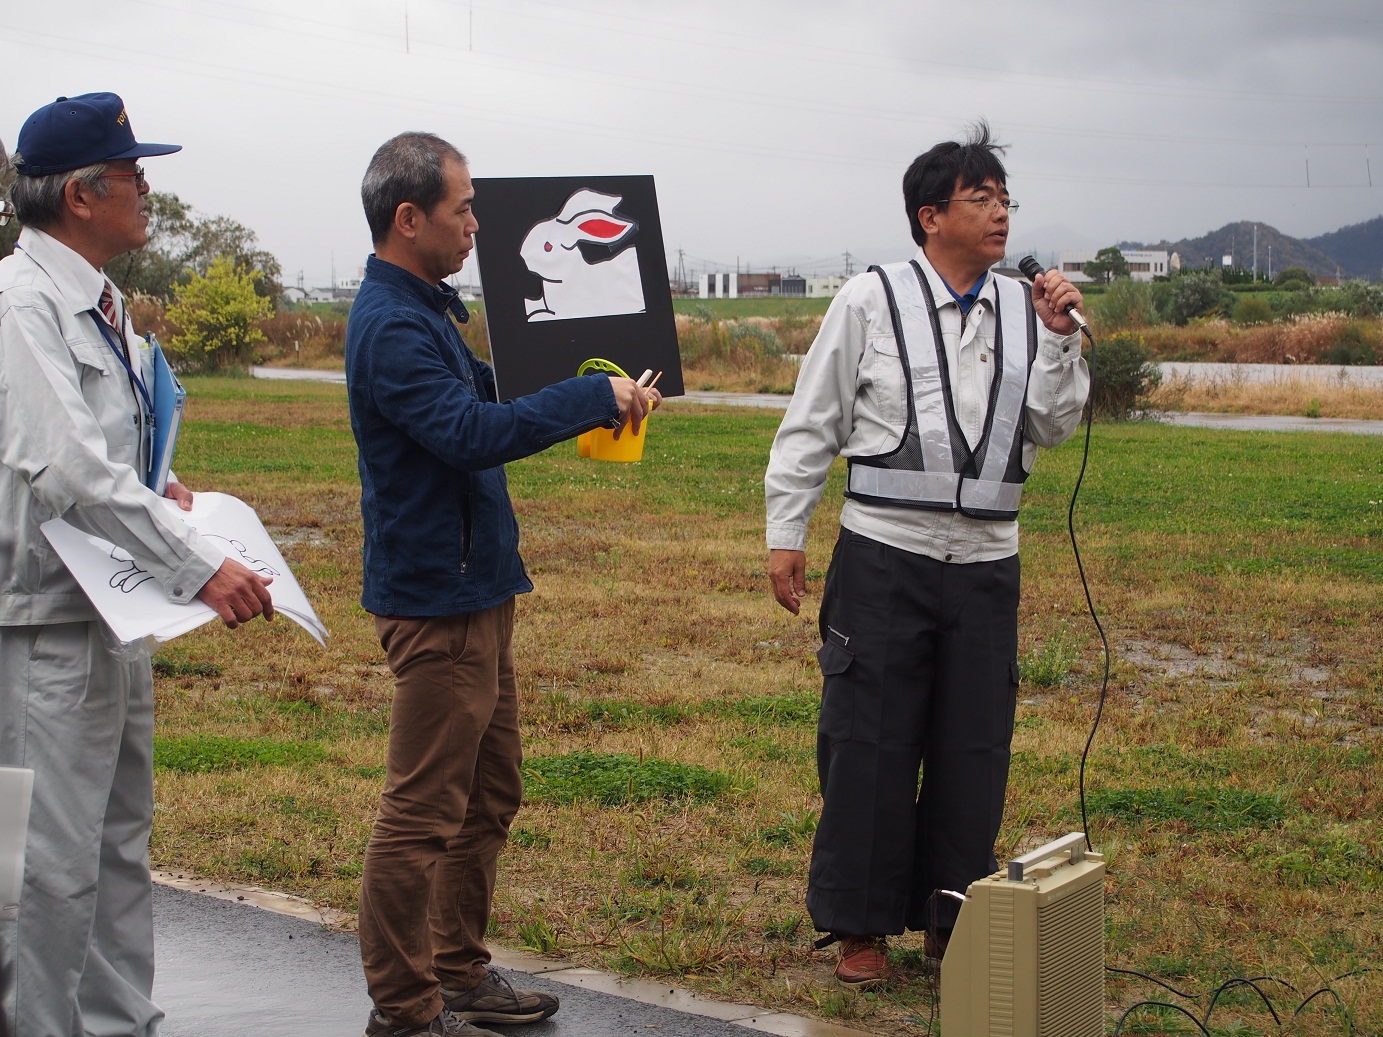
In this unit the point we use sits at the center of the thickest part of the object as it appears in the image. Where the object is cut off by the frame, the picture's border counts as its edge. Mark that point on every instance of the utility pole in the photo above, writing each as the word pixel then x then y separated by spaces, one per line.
pixel 849 269
pixel 1255 253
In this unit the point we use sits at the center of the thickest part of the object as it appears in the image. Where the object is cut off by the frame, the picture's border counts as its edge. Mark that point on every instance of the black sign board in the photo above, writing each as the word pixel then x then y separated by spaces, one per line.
pixel 574 269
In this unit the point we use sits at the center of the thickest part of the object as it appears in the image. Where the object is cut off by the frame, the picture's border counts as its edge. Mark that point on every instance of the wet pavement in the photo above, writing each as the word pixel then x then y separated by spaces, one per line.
pixel 1257 374
pixel 228 968
pixel 297 374
pixel 1272 423
pixel 1241 422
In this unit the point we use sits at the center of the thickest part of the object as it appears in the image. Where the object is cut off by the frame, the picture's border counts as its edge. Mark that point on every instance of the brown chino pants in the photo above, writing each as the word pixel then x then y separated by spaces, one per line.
pixel 451 789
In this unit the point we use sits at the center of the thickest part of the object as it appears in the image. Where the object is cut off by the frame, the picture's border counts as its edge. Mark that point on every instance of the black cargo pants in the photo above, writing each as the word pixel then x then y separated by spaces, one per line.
pixel 920 670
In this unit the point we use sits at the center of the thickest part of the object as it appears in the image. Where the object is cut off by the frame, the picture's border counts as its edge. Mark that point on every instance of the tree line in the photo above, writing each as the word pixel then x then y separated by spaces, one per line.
pixel 206 274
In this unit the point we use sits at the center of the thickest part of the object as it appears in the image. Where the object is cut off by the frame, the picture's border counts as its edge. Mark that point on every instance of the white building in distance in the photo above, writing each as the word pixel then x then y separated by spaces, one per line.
pixel 1142 266
pixel 740 285
pixel 824 287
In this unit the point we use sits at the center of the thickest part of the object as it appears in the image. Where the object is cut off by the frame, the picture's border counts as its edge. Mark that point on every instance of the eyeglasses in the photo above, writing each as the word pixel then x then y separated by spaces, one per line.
pixel 137 176
pixel 987 204
pixel 6 212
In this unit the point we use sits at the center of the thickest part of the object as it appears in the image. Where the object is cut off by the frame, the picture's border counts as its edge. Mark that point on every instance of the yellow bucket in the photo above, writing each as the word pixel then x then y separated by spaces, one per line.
pixel 600 443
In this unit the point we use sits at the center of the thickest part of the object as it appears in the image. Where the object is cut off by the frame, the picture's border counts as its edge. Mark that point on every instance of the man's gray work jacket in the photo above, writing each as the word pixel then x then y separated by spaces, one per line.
pixel 851 400
pixel 71 442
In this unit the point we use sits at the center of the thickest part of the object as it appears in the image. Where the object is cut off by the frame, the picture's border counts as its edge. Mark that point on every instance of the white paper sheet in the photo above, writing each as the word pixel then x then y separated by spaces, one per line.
pixel 132 601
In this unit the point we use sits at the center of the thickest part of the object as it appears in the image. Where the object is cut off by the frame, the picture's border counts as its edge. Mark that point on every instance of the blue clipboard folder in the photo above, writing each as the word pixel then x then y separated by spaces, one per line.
pixel 169 399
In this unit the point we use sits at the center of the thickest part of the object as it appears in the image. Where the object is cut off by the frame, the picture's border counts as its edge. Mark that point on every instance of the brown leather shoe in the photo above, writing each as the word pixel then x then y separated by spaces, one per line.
pixel 863 962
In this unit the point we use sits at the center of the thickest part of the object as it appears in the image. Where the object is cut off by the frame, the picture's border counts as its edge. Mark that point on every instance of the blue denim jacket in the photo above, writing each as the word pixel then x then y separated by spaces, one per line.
pixel 440 533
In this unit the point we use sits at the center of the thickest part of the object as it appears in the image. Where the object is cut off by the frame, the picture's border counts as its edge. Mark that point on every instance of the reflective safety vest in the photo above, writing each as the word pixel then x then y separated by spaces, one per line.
pixel 934 466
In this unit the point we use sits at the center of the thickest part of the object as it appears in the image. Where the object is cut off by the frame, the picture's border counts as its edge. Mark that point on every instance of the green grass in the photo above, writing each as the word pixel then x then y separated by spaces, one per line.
pixel 774 306
pixel 1049 664
pixel 612 779
pixel 201 754
pixel 669 707
pixel 1195 809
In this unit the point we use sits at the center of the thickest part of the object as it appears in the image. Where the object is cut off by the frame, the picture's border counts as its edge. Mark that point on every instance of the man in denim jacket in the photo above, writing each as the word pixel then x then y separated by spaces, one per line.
pixel 441 571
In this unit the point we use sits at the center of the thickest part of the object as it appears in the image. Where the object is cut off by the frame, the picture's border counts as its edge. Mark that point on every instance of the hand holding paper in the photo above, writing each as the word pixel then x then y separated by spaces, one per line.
pixel 237 594
pixel 180 494
pixel 134 605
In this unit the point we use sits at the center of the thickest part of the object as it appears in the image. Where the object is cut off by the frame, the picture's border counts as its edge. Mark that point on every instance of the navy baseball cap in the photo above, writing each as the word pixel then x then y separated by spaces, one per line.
pixel 73 132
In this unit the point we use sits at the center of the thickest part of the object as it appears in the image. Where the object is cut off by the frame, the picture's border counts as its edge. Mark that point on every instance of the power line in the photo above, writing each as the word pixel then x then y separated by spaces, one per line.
pixel 873 61
pixel 303 86
pixel 370 39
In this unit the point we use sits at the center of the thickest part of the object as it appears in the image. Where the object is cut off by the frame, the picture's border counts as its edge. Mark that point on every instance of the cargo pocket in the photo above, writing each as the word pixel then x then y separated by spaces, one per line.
pixel 837 695
pixel 834 659
pixel 1009 710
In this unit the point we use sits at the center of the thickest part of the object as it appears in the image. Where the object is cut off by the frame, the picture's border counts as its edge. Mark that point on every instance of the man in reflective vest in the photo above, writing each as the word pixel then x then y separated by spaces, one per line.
pixel 938 380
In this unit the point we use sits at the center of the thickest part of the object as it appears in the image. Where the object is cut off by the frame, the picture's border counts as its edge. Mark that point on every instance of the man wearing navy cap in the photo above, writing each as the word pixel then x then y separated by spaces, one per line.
pixel 75 706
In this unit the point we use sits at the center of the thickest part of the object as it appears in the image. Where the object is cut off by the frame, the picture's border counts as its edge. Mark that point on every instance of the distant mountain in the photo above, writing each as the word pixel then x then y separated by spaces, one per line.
pixel 1236 239
pixel 1357 248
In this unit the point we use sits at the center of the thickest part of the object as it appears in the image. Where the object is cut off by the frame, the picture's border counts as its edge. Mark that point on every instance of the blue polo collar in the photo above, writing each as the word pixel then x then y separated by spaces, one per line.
pixel 967 301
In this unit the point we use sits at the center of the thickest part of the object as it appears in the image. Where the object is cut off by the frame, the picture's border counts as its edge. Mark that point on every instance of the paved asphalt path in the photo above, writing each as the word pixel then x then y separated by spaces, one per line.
pixel 229 969
pixel 1241 422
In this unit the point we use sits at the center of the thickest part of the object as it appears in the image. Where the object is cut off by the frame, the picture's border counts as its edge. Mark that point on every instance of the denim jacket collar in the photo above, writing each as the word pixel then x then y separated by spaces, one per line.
pixel 439 297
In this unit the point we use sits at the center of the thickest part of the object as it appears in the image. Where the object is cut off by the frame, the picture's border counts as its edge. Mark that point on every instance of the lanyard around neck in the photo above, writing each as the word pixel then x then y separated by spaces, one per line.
pixel 123 357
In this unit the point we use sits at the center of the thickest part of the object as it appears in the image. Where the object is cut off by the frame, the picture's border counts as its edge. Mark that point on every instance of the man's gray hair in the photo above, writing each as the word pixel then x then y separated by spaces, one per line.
pixel 407 168
pixel 39 201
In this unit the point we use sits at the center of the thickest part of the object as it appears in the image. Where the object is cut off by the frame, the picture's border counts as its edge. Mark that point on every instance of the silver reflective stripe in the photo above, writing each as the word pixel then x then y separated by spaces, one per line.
pixel 938 485
pixel 1013 387
pixel 988 495
pixel 922 350
pixel 899 484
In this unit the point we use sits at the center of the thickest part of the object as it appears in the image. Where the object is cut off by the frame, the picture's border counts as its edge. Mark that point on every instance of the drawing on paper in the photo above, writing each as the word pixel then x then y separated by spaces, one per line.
pixel 129 576
pixel 133 603
pixel 236 548
pixel 586 260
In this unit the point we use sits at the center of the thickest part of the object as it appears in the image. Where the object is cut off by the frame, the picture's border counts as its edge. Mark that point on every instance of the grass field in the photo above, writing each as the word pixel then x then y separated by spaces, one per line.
pixel 669 710
pixel 771 306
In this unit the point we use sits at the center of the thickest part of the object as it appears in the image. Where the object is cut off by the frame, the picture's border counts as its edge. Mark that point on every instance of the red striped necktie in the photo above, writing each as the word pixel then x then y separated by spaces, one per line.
pixel 108 309
pixel 112 315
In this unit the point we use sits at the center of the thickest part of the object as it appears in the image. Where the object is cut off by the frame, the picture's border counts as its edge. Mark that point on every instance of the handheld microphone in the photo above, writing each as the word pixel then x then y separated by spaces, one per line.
pixel 1031 268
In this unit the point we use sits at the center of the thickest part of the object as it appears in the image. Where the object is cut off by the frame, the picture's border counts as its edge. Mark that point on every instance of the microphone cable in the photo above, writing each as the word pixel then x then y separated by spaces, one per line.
pixel 1032 269
pixel 1085 586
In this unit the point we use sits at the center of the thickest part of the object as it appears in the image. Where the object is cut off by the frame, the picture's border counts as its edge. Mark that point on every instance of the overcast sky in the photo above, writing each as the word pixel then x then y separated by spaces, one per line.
pixel 777 131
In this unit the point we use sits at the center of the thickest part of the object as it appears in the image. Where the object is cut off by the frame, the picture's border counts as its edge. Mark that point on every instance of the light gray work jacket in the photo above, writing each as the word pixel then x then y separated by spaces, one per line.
pixel 852 397
pixel 72 441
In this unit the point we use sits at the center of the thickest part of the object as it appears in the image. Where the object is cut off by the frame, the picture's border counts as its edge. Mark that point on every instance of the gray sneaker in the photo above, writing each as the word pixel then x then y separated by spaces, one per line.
pixel 496 1001
pixel 447 1024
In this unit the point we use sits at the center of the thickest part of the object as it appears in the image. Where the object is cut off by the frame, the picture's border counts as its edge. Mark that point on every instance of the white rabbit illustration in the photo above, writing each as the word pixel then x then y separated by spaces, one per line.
pixel 573 287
